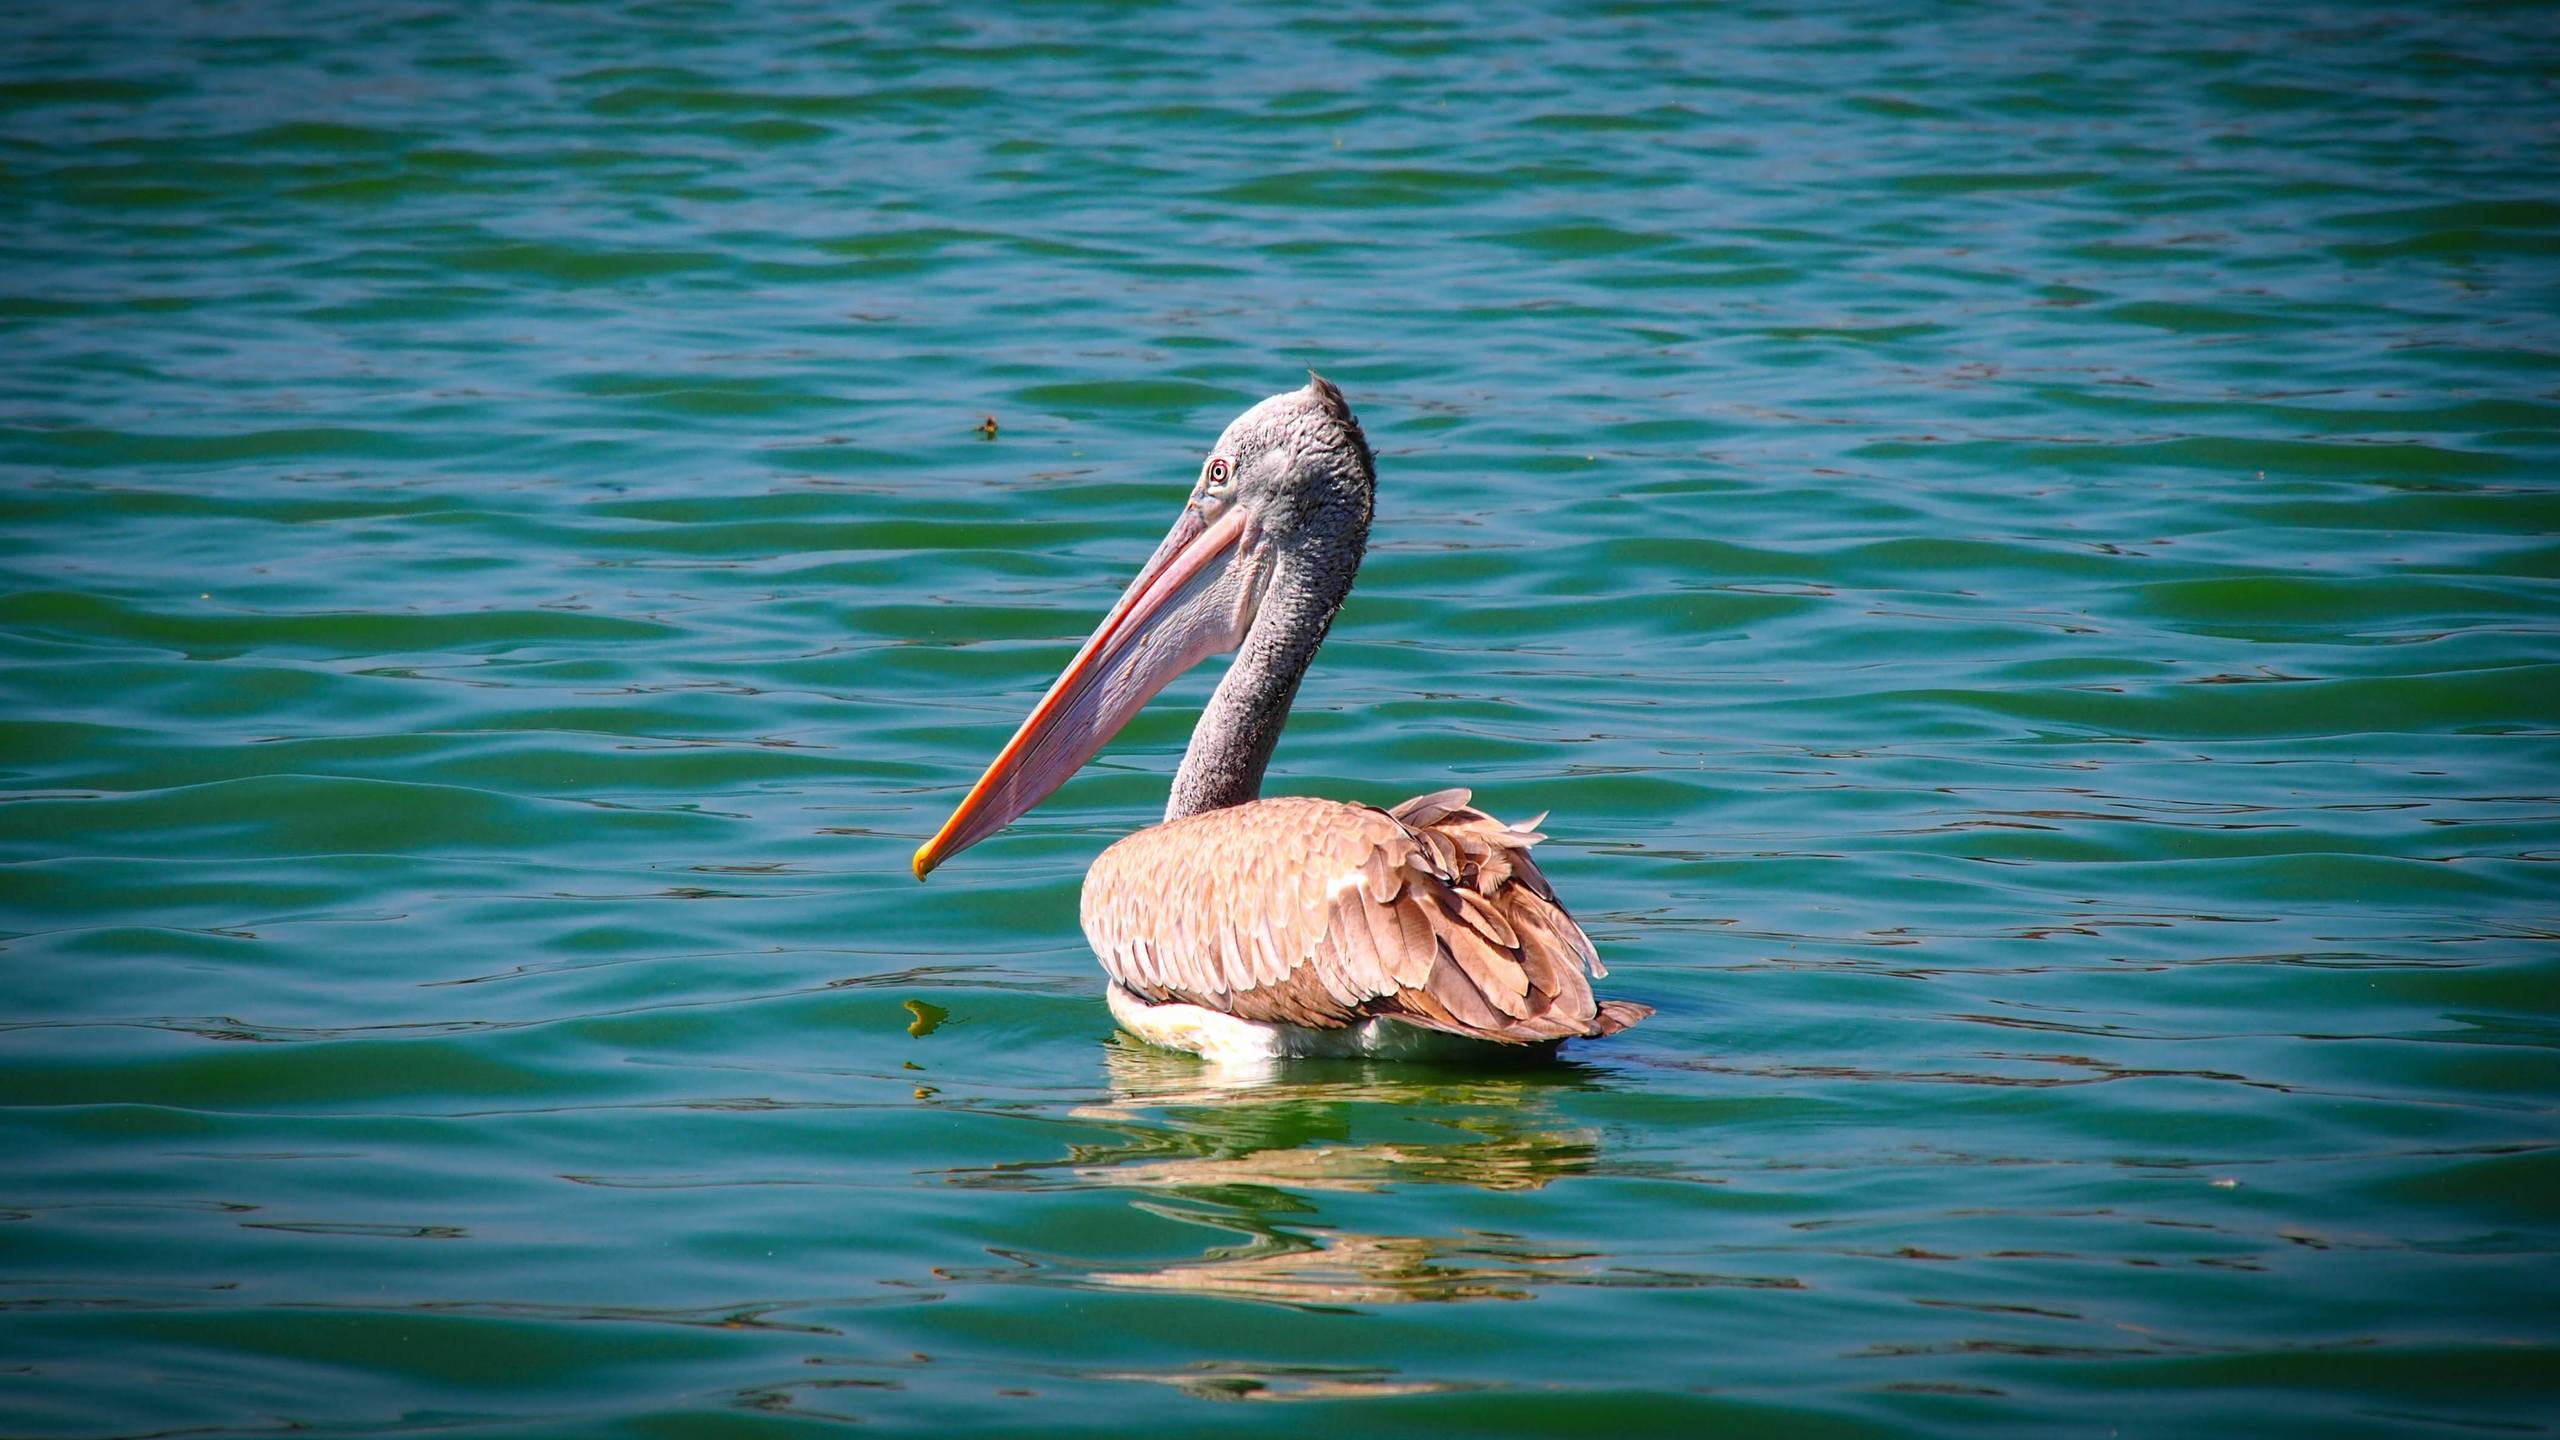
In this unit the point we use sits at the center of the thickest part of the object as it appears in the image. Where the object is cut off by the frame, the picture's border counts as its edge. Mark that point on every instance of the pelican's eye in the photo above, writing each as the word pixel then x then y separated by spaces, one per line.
pixel 1218 472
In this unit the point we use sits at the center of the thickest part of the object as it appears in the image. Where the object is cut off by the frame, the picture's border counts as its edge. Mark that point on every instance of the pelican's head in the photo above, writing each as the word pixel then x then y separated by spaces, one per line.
pixel 1297 463
pixel 1279 514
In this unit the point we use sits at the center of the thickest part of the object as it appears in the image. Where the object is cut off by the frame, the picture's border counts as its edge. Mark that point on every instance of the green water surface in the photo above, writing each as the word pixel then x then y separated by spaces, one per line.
pixel 2018 543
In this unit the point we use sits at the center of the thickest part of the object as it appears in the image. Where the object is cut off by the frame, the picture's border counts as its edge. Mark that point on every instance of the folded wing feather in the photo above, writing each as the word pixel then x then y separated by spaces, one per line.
pixel 1312 912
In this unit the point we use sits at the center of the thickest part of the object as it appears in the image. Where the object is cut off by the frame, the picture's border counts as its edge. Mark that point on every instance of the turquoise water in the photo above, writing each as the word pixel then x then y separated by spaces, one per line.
pixel 2018 544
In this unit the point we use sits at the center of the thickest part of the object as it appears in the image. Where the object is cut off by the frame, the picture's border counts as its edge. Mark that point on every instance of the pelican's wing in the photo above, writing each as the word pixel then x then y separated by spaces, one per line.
pixel 1311 912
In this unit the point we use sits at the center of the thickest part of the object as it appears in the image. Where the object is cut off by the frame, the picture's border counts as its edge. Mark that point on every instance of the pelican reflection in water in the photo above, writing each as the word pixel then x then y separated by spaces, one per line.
pixel 1240 1154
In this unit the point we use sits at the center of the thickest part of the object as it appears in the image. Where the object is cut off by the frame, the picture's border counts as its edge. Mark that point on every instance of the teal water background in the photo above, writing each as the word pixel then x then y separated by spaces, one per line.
pixel 2017 542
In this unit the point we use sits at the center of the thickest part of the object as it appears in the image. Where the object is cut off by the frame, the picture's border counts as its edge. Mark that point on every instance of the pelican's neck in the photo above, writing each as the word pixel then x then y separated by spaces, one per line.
pixel 1241 724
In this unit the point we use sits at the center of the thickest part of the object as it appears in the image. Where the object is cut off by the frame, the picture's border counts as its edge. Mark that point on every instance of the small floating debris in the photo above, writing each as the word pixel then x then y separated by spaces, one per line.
pixel 928 1015
pixel 987 428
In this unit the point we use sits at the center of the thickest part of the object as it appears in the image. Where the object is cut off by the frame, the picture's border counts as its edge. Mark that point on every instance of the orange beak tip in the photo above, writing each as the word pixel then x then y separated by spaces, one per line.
pixel 924 861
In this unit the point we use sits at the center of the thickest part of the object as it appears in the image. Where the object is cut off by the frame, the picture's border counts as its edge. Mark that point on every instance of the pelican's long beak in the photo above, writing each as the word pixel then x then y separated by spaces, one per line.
pixel 1194 599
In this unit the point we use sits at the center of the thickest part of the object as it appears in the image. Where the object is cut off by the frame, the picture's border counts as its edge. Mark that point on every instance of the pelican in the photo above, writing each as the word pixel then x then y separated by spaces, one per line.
pixel 1248 929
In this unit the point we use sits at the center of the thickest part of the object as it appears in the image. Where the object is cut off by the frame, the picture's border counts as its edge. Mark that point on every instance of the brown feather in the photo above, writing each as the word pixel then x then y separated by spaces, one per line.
pixel 1487 919
pixel 1445 860
pixel 1424 810
pixel 1499 977
pixel 1456 991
